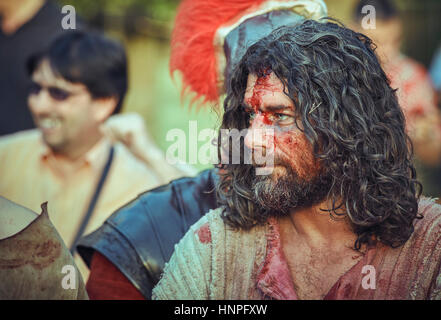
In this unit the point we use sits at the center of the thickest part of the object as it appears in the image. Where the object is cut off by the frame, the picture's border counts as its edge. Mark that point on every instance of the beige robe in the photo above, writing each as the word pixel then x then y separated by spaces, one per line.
pixel 213 261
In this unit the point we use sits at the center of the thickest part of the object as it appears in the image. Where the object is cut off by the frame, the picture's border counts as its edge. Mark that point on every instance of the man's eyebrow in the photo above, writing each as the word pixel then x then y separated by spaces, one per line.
pixel 247 107
pixel 273 108
pixel 277 107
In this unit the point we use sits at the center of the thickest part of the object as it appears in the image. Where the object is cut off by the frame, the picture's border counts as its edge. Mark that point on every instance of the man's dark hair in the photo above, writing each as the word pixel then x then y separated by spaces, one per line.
pixel 384 9
pixel 91 59
pixel 352 119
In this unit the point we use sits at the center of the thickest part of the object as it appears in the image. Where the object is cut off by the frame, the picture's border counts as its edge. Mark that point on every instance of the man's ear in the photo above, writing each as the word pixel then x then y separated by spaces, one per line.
pixel 104 107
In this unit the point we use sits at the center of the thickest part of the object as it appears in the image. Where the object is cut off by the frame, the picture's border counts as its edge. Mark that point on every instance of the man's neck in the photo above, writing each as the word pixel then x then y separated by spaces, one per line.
pixel 73 154
pixel 17 12
pixel 317 227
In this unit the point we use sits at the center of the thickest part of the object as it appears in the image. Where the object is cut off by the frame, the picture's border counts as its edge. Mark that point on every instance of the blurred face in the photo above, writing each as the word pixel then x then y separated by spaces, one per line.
pixel 65 112
pixel 295 178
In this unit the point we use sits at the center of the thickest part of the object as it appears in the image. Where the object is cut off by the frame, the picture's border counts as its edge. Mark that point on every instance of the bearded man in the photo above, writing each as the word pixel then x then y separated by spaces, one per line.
pixel 341 196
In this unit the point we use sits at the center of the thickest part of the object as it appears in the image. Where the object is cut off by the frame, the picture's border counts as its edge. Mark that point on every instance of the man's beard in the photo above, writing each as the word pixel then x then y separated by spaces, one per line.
pixel 278 196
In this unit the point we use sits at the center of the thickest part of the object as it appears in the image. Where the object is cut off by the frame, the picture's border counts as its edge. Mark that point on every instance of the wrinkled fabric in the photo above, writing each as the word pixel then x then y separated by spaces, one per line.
pixel 108 283
pixel 32 262
pixel 274 278
pixel 250 265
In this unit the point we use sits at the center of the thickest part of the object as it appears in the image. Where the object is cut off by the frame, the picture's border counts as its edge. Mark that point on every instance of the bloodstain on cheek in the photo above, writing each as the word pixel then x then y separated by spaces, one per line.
pixel 289 142
pixel 204 233
pixel 297 151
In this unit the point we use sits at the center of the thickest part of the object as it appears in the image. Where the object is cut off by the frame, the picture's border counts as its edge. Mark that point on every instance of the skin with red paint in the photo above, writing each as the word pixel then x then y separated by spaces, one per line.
pixel 271 108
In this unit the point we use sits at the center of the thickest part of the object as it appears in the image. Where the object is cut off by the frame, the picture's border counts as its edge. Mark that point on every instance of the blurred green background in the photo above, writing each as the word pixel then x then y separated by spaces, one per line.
pixel 144 26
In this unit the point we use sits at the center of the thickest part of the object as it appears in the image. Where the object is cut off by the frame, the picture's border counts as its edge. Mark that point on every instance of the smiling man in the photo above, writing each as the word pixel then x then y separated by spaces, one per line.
pixel 340 215
pixel 78 83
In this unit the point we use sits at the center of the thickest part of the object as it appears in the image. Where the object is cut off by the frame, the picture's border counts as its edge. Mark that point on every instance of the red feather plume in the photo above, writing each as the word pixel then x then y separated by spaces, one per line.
pixel 192 49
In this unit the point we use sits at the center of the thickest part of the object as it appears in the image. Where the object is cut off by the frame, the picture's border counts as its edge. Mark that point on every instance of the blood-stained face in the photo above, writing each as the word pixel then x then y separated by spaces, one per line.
pixel 295 180
pixel 273 127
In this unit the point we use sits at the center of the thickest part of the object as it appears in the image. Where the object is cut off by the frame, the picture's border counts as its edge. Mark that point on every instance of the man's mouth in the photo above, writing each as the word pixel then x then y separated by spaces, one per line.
pixel 49 123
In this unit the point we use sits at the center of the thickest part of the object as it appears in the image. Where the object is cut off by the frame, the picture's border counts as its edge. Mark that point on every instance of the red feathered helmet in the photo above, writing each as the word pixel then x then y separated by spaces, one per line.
pixel 210 37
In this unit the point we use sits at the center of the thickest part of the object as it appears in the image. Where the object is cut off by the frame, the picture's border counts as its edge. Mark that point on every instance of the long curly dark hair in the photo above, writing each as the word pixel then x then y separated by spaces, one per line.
pixel 352 119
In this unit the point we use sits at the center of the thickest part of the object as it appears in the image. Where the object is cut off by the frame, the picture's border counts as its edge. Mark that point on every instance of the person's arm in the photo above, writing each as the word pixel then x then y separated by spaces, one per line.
pixel 106 282
pixel 139 238
pixel 130 129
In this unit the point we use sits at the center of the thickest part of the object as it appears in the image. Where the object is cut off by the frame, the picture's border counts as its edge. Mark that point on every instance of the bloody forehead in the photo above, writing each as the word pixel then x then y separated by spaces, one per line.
pixel 264 82
pixel 264 91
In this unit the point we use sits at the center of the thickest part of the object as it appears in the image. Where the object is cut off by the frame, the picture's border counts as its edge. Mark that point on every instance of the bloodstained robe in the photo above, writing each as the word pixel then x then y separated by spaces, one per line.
pixel 213 261
pixel 33 265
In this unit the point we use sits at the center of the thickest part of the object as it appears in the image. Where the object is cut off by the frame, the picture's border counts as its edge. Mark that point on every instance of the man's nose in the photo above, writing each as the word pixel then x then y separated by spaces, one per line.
pixel 40 102
pixel 259 135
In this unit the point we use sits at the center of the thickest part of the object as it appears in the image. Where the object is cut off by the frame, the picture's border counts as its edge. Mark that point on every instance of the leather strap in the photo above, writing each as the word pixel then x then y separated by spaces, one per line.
pixel 94 199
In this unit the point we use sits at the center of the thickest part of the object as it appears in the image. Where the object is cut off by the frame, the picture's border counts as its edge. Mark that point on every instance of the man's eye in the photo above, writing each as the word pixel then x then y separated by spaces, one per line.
pixel 35 88
pixel 282 118
pixel 251 114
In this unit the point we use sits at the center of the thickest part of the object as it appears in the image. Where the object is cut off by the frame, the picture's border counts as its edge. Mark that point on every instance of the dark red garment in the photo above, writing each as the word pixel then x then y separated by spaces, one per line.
pixel 106 282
